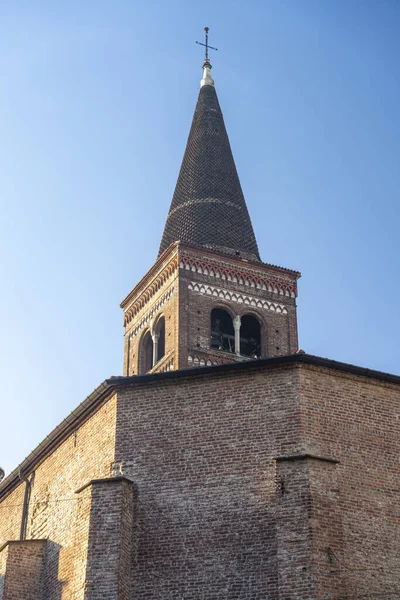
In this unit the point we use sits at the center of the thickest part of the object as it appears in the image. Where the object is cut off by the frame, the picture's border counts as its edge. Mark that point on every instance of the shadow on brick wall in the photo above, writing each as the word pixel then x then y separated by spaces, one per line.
pixel 52 587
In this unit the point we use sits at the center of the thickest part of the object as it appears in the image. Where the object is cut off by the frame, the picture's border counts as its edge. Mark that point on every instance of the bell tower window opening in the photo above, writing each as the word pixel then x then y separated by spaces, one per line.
pixel 250 337
pixel 222 331
pixel 160 333
pixel 146 354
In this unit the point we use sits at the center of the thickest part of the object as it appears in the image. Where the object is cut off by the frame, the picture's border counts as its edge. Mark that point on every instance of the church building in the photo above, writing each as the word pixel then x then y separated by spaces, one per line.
pixel 225 463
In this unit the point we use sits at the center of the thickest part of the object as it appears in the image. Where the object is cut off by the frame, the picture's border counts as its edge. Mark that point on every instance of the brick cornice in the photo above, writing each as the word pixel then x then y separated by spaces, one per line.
pixel 105 480
pixel 150 287
pixel 241 275
pixel 238 261
pixel 159 266
pixel 22 543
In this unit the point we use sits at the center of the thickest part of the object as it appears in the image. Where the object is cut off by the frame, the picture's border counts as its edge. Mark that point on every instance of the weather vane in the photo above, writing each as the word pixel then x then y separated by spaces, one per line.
pixel 206 29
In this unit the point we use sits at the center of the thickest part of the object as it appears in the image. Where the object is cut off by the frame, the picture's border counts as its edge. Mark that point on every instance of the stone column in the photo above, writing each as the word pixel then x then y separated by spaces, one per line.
pixel 155 338
pixel 236 324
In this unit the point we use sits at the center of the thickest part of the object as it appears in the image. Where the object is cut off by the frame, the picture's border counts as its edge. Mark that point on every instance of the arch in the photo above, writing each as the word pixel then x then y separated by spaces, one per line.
pixel 146 353
pixel 250 336
pixel 222 331
pixel 159 330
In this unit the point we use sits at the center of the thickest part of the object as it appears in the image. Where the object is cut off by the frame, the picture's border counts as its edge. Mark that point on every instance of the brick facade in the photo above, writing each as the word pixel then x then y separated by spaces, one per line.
pixel 269 479
pixel 21 570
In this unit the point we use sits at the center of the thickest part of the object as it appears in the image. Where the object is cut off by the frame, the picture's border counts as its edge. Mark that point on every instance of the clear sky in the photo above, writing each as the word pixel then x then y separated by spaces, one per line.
pixel 96 100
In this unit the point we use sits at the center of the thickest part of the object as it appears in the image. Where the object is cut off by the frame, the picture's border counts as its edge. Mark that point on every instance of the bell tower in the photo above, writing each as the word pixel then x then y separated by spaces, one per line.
pixel 208 299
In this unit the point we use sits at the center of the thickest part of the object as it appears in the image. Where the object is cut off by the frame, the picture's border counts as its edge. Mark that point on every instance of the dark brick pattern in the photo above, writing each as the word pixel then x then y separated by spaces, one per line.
pixel 208 207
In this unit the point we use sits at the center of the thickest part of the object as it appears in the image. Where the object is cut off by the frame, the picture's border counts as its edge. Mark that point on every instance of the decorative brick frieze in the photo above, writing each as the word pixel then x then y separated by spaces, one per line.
pixel 150 290
pixel 239 298
pixel 240 276
pixel 152 312
pixel 186 284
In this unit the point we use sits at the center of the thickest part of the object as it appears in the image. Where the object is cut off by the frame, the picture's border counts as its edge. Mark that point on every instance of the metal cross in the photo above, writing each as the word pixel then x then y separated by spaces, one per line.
pixel 206 44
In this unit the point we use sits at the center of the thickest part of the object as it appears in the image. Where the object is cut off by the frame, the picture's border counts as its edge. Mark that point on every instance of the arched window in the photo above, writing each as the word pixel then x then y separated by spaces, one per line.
pixel 250 337
pixel 160 333
pixel 222 332
pixel 146 354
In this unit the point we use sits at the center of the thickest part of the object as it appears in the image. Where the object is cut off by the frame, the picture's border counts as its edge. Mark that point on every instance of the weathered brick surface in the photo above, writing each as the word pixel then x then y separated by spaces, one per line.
pixel 200 452
pixel 86 454
pixel 213 523
pixel 276 481
pixel 356 420
pixel 111 540
pixel 21 566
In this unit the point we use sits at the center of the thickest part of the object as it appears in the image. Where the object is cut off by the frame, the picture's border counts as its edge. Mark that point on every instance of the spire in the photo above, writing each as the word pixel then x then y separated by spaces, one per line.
pixel 208 207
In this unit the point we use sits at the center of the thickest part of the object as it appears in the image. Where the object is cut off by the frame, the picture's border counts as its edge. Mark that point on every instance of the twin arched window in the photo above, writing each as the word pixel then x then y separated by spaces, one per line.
pixel 152 347
pixel 246 343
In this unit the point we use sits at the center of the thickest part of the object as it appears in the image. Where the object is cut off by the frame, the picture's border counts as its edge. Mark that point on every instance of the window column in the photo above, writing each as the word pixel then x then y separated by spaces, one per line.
pixel 155 337
pixel 236 325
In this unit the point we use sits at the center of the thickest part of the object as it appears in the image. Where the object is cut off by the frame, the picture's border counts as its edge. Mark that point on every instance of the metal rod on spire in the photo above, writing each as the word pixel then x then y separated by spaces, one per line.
pixel 206 29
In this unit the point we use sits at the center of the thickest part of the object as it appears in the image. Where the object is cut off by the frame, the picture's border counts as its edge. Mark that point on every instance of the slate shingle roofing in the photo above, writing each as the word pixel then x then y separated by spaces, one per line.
pixel 208 207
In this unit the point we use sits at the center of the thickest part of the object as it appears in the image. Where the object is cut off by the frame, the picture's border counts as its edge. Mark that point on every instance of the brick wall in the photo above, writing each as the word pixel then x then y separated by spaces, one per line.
pixel 200 451
pixel 205 453
pixel 357 421
pixel 21 569
pixel 110 542
pixel 86 454
pixel 275 481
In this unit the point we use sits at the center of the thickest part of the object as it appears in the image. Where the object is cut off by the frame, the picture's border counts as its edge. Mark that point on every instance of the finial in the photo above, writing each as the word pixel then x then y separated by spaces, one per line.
pixel 207 79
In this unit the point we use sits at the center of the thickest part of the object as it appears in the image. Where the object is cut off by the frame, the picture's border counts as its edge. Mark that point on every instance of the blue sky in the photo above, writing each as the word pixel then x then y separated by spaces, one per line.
pixel 96 100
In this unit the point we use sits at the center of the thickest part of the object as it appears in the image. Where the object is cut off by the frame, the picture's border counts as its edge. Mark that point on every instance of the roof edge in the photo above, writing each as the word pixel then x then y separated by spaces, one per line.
pixel 259 264
pixel 152 271
pixel 288 359
pixel 105 389
pixel 58 434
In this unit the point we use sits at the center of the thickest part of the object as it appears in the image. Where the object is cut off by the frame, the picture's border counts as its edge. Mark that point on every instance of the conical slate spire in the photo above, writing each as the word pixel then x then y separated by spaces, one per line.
pixel 208 207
